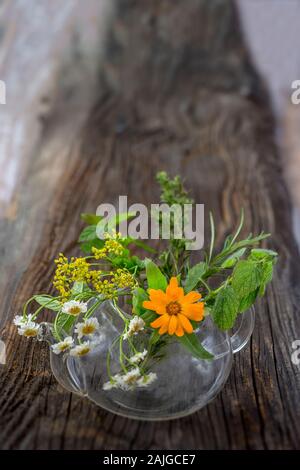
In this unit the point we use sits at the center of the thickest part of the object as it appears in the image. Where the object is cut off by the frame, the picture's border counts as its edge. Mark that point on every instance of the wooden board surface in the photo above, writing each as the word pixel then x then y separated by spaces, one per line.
pixel 177 92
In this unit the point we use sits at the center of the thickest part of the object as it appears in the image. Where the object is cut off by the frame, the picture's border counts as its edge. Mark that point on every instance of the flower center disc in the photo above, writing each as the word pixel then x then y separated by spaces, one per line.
pixel 74 310
pixel 88 329
pixel 84 351
pixel 173 308
pixel 30 333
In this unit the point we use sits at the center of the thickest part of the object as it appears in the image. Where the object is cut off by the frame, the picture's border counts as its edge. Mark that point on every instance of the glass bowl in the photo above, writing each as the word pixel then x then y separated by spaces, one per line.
pixel 184 384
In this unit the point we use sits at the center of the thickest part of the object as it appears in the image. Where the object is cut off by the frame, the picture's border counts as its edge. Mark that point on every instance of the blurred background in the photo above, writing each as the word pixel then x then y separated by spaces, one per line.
pixel 51 47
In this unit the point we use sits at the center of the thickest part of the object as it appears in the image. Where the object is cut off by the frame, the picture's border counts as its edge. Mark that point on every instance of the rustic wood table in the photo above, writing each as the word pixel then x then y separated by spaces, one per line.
pixel 176 91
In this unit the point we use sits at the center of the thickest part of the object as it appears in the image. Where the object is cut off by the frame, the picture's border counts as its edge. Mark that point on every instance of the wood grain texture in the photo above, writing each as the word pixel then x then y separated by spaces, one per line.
pixel 177 92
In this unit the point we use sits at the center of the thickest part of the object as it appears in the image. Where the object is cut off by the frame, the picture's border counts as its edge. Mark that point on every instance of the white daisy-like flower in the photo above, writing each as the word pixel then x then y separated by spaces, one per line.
pixel 136 324
pixel 113 382
pixel 129 380
pixel 147 380
pixel 74 307
pixel 82 349
pixel 138 357
pixel 87 328
pixel 20 320
pixel 62 346
pixel 29 329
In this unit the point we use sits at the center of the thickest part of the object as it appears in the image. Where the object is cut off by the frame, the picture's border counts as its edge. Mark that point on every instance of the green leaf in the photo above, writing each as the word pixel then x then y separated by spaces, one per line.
pixel 139 295
pixel 267 275
pixel 155 338
pixel 247 276
pixel 155 278
pixel 225 308
pixel 194 275
pixel 250 241
pixel 148 316
pixel 63 323
pixel 267 272
pixel 140 244
pixel 78 287
pixel 91 219
pixel 228 242
pixel 232 259
pixel 259 253
pixel 48 302
pixel 193 345
pixel 122 217
pixel 88 233
pixel 86 247
pixel 248 301
pixel 110 224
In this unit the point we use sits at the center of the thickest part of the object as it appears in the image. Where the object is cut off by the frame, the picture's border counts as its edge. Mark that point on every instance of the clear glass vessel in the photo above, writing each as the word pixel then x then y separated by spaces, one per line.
pixel 184 384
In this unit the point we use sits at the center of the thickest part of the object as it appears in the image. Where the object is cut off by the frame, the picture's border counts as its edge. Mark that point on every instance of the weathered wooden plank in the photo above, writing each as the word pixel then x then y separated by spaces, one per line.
pixel 177 93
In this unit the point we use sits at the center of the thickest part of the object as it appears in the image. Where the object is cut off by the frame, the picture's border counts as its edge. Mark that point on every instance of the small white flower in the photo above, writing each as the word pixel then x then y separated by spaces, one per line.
pixel 29 329
pixel 147 380
pixel 62 345
pixel 20 320
pixel 130 380
pixel 82 349
pixel 74 307
pixel 112 383
pixel 109 385
pixel 138 357
pixel 87 328
pixel 136 324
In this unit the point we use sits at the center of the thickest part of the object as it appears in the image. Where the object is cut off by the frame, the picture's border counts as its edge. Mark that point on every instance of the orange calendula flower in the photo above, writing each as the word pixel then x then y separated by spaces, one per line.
pixel 175 309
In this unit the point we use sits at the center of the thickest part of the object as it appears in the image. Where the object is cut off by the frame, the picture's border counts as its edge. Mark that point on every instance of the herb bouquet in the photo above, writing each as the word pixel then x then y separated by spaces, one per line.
pixel 149 337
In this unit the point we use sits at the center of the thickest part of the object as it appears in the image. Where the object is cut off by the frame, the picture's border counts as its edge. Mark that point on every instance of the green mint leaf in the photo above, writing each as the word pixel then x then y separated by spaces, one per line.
pixel 248 301
pixel 247 277
pixel 267 272
pixel 193 345
pixel 267 275
pixel 155 278
pixel 260 253
pixel 225 308
pixel 194 275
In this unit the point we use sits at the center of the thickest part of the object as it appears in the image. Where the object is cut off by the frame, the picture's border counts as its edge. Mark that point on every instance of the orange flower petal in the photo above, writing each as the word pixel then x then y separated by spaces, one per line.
pixel 179 330
pixel 160 321
pixel 149 305
pixel 173 324
pixel 194 311
pixel 163 329
pixel 173 282
pixel 173 291
pixel 156 306
pixel 191 297
pixel 185 323
pixel 158 296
